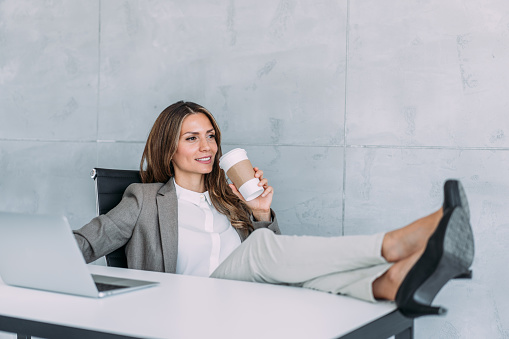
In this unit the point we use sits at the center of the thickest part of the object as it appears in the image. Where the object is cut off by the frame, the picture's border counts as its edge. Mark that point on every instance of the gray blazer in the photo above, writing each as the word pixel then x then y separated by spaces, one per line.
pixel 146 221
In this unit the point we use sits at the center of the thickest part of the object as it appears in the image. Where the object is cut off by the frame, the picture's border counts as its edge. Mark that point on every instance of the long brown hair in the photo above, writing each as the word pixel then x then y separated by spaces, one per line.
pixel 162 143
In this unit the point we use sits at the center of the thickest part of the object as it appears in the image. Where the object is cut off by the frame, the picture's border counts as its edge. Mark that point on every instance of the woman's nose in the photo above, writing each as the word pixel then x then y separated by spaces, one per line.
pixel 204 145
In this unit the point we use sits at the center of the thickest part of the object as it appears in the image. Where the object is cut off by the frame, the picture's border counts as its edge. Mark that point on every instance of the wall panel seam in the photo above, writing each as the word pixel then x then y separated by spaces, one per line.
pixel 345 141
pixel 98 76
pixel 400 147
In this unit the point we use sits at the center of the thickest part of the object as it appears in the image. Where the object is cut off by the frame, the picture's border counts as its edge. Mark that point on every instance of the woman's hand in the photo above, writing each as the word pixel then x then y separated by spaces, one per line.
pixel 261 205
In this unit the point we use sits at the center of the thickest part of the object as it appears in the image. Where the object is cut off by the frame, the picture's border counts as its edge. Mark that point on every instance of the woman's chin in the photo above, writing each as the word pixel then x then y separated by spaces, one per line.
pixel 206 170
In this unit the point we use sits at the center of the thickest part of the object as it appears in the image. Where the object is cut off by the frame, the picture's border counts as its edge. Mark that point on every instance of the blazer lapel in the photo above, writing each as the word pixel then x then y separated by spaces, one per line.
pixel 167 210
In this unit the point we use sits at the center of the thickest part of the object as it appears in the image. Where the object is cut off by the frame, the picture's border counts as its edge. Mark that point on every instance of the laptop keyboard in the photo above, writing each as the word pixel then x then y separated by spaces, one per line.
pixel 102 287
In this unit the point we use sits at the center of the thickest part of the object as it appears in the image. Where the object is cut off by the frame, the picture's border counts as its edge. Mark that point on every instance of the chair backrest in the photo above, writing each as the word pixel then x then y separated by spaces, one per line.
pixel 110 185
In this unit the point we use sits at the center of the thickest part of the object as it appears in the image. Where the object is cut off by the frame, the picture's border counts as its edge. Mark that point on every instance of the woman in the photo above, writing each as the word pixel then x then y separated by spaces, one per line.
pixel 186 219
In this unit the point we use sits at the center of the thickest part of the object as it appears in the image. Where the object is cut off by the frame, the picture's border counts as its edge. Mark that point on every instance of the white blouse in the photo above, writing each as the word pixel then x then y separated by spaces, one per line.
pixel 205 236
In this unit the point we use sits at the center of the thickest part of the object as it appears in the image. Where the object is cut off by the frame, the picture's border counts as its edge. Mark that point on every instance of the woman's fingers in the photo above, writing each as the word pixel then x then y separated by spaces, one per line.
pixel 268 190
pixel 258 173
pixel 263 183
pixel 236 192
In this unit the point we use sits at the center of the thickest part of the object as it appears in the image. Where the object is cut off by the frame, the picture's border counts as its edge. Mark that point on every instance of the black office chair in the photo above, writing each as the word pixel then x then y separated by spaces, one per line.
pixel 110 185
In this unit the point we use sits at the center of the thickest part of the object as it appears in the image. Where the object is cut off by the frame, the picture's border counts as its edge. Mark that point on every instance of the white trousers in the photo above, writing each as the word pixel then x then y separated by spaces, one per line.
pixel 342 265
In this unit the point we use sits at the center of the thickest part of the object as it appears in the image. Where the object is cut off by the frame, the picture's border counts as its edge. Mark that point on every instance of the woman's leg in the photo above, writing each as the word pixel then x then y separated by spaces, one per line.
pixel 401 247
pixel 325 263
pixel 267 257
pixel 355 283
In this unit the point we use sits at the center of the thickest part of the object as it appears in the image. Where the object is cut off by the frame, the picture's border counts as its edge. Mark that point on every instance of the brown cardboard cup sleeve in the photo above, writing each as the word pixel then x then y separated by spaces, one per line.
pixel 240 171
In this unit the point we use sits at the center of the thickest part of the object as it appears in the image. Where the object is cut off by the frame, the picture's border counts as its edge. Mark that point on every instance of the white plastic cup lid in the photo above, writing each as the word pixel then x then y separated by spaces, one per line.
pixel 231 158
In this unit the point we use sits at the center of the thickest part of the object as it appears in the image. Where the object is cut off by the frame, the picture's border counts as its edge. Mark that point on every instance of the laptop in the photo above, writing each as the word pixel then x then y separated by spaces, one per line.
pixel 40 252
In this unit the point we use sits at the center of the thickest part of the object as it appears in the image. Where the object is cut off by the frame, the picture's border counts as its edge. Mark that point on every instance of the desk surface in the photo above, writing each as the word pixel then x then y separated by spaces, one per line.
pixel 193 307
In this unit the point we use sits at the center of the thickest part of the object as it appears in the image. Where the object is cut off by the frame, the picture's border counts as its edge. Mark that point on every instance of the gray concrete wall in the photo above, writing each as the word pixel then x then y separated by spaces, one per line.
pixel 356 110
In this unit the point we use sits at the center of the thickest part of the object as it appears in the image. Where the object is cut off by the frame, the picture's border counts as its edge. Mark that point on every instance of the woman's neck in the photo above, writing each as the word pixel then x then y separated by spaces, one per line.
pixel 195 184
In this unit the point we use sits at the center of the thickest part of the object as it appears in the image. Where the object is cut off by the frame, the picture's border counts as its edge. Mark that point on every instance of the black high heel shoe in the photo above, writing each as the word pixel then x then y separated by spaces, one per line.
pixel 449 252
pixel 454 195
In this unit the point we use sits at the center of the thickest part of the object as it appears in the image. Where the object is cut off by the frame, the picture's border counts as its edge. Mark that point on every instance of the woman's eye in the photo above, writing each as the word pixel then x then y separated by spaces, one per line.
pixel 191 138
pixel 212 136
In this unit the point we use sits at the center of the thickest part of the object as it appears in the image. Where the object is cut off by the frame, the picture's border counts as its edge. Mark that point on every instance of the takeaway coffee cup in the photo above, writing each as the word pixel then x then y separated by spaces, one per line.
pixel 240 171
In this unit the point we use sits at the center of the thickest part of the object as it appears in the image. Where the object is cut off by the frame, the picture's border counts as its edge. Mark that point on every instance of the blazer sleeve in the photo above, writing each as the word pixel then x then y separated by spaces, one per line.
pixel 112 230
pixel 271 225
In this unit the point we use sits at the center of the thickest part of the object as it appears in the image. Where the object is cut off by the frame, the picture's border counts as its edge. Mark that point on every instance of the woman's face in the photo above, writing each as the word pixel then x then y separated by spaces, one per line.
pixel 196 149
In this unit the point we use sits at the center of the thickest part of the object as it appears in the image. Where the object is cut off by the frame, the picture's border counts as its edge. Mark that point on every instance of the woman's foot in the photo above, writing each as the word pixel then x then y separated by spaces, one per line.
pixel 404 242
pixel 449 252
pixel 386 286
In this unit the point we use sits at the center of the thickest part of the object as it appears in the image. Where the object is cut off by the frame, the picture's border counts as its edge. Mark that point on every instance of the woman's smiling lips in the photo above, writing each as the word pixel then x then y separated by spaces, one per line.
pixel 205 160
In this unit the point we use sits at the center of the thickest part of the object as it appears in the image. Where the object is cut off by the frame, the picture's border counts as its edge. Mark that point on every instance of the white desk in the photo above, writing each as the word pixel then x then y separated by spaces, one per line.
pixel 192 307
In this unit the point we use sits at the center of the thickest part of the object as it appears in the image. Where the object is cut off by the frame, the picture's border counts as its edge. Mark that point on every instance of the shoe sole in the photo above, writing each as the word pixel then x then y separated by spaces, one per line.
pixel 457 257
